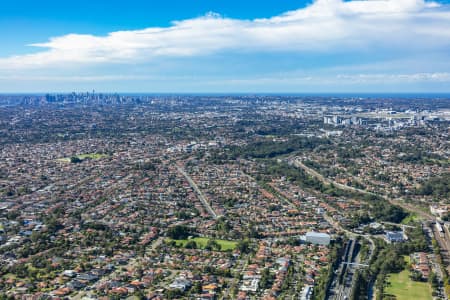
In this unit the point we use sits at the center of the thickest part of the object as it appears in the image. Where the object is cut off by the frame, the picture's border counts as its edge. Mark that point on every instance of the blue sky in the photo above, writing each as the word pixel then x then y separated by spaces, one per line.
pixel 181 46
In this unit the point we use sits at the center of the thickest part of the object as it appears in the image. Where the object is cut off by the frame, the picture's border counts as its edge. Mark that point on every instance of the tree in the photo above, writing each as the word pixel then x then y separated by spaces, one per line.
pixel 191 245
pixel 213 245
pixel 266 279
pixel 179 232
pixel 75 160
pixel 244 246
pixel 197 288
pixel 433 280
pixel 416 276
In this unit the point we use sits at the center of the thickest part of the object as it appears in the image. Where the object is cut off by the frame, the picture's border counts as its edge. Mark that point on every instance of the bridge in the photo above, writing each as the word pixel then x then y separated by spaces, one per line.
pixel 355 264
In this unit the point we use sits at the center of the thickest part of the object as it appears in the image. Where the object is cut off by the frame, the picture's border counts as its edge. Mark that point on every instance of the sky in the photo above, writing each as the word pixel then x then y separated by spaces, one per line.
pixel 225 46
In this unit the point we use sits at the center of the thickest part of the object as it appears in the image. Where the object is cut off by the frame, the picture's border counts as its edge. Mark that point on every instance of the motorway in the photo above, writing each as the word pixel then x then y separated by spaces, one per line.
pixel 342 284
pixel 349 263
pixel 199 193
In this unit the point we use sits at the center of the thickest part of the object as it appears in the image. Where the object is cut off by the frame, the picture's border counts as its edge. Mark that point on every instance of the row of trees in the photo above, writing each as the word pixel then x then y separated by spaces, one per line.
pixel 268 148
pixel 438 186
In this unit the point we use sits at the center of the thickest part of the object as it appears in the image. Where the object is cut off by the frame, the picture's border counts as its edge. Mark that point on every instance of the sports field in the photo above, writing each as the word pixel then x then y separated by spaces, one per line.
pixel 403 288
pixel 84 156
pixel 201 243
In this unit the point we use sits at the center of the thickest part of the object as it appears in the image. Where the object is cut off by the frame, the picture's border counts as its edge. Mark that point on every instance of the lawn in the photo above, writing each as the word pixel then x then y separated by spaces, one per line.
pixel 9 275
pixel 202 241
pixel 412 217
pixel 401 286
pixel 92 156
pixel 84 156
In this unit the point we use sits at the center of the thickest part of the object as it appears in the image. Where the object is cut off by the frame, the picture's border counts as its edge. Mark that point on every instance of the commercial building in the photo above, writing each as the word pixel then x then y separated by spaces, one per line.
pixel 318 238
pixel 395 236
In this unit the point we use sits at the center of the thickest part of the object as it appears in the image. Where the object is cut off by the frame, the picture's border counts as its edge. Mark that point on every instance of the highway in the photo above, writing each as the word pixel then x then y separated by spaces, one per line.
pixel 342 284
pixel 337 291
pixel 199 193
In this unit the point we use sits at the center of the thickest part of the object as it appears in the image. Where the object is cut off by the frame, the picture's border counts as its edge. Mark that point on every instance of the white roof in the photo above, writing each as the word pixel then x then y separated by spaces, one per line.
pixel 317 234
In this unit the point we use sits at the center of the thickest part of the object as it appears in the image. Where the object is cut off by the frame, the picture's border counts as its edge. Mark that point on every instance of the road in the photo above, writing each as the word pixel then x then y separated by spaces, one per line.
pixel 199 193
pixel 156 243
pixel 275 195
pixel 131 263
pixel 242 266
pixel 396 224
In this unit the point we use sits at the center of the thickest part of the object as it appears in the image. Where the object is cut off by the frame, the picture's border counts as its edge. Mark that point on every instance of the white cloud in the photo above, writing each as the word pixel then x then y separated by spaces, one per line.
pixel 348 79
pixel 326 26
pixel 372 78
pixel 395 78
pixel 79 78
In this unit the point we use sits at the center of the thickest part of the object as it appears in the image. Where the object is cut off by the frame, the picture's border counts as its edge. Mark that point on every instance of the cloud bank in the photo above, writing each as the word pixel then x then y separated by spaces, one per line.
pixel 410 26
pixel 329 45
